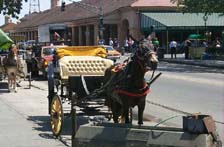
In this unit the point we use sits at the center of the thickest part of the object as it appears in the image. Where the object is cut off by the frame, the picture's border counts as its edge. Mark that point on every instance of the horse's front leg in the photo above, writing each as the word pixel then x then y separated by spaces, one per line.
pixel 141 108
pixel 9 84
pixel 126 114
pixel 14 84
pixel 115 107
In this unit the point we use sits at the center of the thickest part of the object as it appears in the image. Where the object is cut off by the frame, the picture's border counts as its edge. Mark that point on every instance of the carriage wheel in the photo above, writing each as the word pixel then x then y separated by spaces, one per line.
pixel 57 115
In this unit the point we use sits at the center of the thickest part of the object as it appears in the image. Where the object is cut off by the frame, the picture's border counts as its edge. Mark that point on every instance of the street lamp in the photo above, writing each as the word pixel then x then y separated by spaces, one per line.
pixel 205 18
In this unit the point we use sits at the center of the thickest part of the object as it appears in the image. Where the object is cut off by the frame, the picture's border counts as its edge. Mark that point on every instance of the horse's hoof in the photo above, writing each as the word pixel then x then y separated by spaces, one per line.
pixel 140 123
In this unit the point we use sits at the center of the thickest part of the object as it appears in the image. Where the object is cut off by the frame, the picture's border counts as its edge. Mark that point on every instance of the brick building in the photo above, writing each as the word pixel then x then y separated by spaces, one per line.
pixel 79 23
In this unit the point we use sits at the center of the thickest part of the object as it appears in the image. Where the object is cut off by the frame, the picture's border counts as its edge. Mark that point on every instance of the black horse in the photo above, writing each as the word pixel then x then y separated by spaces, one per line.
pixel 125 86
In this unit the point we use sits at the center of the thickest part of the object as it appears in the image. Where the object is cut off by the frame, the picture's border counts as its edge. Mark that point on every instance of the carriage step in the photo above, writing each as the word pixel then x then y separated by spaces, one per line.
pixel 90 107
pixel 87 109
pixel 93 114
pixel 93 100
pixel 89 103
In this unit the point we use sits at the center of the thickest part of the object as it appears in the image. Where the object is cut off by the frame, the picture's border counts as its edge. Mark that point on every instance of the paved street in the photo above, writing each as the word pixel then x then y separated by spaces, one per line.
pixel 187 88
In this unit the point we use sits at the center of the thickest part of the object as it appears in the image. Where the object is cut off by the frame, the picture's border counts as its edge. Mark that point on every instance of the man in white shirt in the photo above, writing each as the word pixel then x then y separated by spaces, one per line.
pixel 111 43
pixel 173 48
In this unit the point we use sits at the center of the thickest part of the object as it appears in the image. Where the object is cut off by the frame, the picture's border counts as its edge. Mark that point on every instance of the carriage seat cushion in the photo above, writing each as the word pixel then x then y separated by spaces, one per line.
pixel 83 65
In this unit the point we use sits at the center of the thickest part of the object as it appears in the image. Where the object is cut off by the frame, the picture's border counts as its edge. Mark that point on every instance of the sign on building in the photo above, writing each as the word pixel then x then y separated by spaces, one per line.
pixel 44 33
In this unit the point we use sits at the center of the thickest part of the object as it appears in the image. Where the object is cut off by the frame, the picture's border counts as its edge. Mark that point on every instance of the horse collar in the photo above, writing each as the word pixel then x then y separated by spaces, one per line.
pixel 137 93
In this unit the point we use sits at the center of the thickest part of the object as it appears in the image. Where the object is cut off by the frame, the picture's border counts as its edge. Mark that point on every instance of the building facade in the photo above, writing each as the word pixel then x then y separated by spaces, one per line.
pixel 79 23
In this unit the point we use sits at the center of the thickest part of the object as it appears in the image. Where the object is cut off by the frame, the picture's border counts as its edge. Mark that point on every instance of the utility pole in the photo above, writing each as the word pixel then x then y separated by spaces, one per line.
pixel 101 28
pixel 34 6
pixel 93 9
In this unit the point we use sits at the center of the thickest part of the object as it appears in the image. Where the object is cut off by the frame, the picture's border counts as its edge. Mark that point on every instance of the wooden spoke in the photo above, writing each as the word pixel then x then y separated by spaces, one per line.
pixel 57 115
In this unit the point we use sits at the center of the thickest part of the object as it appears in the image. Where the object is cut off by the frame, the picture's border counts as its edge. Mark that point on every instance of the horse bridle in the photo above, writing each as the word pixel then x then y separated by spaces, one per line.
pixel 140 59
pixel 13 55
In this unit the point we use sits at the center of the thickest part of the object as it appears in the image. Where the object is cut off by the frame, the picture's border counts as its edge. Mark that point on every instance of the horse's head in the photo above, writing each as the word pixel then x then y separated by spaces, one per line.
pixel 12 58
pixel 13 54
pixel 146 56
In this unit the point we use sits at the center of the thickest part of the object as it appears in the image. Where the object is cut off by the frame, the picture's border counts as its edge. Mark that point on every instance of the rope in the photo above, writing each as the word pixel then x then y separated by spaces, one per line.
pixel 167 120
pixel 175 110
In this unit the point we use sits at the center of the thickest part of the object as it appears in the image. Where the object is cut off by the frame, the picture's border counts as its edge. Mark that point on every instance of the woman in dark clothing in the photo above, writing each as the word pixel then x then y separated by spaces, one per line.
pixel 187 43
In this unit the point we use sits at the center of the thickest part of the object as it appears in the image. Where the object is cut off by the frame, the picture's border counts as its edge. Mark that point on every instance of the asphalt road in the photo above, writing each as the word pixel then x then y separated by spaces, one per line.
pixel 190 89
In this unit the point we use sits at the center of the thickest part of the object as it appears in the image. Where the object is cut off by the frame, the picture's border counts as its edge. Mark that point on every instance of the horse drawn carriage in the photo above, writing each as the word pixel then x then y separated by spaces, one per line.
pixel 82 78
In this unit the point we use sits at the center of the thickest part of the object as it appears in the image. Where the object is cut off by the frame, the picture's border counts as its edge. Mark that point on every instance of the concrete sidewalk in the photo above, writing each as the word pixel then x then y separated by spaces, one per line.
pixel 206 63
pixel 25 121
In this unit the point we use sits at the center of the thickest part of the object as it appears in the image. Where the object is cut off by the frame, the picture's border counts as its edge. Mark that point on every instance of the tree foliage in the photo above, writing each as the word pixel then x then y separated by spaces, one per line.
pixel 200 6
pixel 11 7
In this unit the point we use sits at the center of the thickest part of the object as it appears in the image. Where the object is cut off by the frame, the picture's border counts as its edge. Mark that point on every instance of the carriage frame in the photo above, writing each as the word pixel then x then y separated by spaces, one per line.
pixel 74 76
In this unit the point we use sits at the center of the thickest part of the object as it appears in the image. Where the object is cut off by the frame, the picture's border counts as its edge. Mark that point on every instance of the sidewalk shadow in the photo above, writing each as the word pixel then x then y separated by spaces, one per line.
pixel 3 87
pixel 44 126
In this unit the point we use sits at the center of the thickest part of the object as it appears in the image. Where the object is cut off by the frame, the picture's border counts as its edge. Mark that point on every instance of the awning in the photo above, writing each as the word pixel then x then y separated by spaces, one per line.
pixel 5 41
pixel 57 27
pixel 174 20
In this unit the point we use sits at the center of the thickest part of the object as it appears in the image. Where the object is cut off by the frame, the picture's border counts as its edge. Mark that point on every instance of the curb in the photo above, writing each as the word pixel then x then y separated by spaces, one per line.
pixel 190 62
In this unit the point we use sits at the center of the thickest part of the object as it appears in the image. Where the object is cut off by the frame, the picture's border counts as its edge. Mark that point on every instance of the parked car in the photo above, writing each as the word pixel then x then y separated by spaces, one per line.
pixel 29 44
pixel 112 53
pixel 46 56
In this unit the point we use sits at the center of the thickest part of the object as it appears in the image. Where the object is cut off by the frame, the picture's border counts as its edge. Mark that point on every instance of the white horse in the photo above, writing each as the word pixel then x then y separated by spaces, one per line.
pixel 11 64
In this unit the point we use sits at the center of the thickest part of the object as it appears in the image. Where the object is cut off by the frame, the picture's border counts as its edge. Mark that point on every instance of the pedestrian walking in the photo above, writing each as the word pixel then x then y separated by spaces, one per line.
pixel 116 43
pixel 126 44
pixel 130 45
pixel 111 43
pixel 173 48
pixel 187 43
pixel 101 42
pixel 29 59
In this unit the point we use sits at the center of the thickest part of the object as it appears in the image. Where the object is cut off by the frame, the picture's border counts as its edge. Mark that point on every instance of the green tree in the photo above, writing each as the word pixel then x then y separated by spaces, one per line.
pixel 200 6
pixel 11 7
